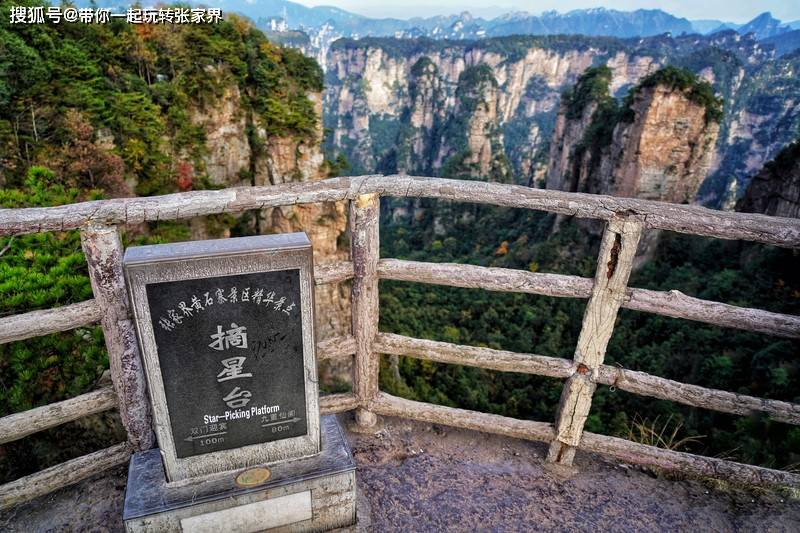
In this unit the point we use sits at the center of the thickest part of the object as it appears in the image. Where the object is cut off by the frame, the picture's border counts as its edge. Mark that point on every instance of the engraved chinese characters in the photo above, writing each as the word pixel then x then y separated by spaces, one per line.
pixel 226 330
pixel 231 357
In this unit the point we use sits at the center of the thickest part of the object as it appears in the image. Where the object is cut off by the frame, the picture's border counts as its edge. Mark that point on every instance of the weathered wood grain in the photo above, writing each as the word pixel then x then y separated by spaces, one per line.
pixel 365 250
pixel 386 404
pixel 174 206
pixel 678 305
pixel 689 219
pixel 38 323
pixel 717 400
pixel 628 380
pixel 333 272
pixel 673 303
pixel 62 475
pixel 337 403
pixel 614 264
pixel 103 250
pixel 101 245
pixel 641 454
pixel 18 425
pixel 443 352
pixel 487 278
pixel 341 346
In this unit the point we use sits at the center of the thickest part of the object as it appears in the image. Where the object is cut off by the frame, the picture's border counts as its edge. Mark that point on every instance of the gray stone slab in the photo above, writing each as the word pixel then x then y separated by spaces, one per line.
pixel 226 330
pixel 196 249
pixel 325 481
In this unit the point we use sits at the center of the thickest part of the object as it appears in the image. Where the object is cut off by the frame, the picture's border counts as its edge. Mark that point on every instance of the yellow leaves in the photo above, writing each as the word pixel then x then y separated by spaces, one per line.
pixel 28 254
pixel 134 153
pixel 271 52
pixel 240 24
pixel 533 266
pixel 502 249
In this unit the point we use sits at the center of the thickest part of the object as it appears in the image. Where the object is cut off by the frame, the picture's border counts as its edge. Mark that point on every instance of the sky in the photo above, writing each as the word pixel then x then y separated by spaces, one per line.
pixel 728 10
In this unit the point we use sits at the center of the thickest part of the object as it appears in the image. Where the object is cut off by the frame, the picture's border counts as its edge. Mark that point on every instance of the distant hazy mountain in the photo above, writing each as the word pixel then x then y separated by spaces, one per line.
pixel 325 24
pixel 706 26
pixel 763 26
pixel 598 21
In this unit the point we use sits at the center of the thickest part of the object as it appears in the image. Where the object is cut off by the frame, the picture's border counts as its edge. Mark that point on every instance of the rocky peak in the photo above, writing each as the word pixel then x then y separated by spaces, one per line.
pixel 775 190
pixel 477 100
pixel 240 151
pixel 577 108
pixel 658 145
pixel 424 117
pixel 664 152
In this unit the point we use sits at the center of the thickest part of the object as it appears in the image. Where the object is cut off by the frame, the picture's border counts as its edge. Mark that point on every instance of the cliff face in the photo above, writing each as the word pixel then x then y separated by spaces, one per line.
pixel 234 158
pixel 775 190
pixel 664 153
pixel 575 114
pixel 657 146
pixel 761 119
pixel 388 110
pixel 389 102
pixel 478 101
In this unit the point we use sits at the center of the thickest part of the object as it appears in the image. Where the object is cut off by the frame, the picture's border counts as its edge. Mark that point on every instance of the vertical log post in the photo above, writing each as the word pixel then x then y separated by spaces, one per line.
pixel 364 250
pixel 614 263
pixel 103 250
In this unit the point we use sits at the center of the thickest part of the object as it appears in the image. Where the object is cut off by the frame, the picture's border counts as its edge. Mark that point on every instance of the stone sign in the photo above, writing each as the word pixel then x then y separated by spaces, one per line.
pixel 226 330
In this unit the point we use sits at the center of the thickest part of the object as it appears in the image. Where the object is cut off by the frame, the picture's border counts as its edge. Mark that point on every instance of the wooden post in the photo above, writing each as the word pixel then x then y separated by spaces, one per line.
pixel 364 250
pixel 614 264
pixel 103 250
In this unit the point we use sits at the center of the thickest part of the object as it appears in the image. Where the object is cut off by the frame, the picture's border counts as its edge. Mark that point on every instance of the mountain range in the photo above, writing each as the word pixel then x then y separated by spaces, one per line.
pixel 463 25
pixel 595 21
pixel 314 29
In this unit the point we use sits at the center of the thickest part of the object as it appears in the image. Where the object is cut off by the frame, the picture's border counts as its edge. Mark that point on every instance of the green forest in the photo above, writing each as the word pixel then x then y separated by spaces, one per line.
pixel 91 111
pixel 738 273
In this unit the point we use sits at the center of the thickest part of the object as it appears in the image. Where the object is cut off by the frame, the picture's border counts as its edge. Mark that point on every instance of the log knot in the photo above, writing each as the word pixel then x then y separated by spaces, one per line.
pixel 614 259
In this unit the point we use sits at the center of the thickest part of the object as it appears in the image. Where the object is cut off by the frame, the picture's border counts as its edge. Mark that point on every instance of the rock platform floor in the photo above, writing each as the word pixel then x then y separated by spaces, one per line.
pixel 417 477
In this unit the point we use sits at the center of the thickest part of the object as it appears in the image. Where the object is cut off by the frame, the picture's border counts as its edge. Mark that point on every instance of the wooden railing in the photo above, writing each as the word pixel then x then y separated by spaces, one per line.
pixel 625 220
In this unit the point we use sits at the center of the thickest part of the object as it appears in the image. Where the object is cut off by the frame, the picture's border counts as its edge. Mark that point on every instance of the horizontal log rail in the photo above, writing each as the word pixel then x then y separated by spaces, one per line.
pixel 689 219
pixel 334 347
pixel 668 303
pixel 652 456
pixel 333 272
pixel 18 425
pixel 337 403
pixel 645 384
pixel 488 358
pixel 38 323
pixel 631 381
pixel 96 221
pixel 29 487
pixel 622 449
pixel 386 404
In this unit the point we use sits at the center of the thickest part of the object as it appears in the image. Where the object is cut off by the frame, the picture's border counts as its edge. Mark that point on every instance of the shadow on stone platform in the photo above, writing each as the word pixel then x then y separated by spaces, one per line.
pixel 417 477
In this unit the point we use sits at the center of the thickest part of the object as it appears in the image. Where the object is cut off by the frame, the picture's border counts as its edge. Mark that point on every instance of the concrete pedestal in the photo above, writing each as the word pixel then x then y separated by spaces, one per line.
pixel 312 494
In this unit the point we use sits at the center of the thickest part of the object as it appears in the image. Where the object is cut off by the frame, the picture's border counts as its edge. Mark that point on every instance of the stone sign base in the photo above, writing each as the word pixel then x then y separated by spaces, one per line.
pixel 313 494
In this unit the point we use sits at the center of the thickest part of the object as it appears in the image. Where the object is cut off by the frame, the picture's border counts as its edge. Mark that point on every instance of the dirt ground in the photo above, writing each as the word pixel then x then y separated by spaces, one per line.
pixel 417 477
